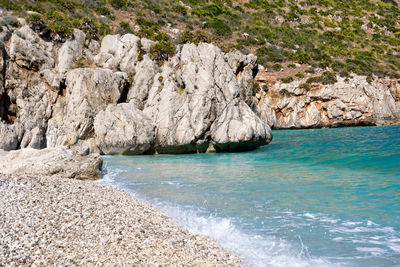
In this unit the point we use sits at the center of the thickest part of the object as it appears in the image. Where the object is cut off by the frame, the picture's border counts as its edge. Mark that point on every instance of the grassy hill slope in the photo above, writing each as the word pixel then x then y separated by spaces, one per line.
pixel 343 36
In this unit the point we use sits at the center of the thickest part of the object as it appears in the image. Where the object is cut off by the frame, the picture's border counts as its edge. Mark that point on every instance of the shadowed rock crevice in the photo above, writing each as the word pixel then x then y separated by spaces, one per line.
pixel 124 94
pixel 240 68
pixel 6 114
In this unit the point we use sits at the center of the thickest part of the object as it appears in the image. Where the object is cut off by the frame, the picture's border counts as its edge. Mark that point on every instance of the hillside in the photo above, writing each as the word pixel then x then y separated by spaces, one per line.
pixel 289 37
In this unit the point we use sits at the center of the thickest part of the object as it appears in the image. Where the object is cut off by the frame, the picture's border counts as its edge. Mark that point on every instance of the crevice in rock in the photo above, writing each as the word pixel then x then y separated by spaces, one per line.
pixel 124 94
pixel 63 88
pixel 254 71
pixel 240 68
pixel 5 102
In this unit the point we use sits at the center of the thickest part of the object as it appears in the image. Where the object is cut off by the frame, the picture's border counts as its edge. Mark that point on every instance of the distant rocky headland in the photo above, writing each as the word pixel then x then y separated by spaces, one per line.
pixel 115 96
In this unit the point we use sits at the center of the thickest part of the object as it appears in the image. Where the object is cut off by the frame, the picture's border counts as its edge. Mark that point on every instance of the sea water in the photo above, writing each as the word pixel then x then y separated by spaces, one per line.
pixel 322 197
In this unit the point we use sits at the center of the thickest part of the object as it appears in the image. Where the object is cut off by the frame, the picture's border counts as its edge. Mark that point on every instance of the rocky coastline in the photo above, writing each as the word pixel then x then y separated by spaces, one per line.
pixel 113 97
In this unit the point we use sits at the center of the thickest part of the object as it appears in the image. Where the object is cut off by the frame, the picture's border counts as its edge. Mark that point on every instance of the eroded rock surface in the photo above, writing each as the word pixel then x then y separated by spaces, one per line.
pixel 123 129
pixel 125 102
pixel 348 102
pixel 59 161
pixel 195 103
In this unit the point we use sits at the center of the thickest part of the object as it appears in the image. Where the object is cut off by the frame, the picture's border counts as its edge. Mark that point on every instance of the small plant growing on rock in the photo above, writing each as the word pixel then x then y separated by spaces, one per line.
pixel 302 58
pixel 284 92
pixel 102 10
pixel 161 51
pixel 125 27
pixel 310 70
pixel 287 79
pixel 256 88
pixel 9 21
pixel 197 37
pixel 305 86
pixel 326 78
pixel 117 4
pixel 277 67
pixel 83 62
pixel 180 90
pixel 34 18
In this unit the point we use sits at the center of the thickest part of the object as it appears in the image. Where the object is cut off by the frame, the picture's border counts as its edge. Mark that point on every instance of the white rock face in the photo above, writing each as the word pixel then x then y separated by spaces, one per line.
pixel 59 161
pixel 123 129
pixel 196 89
pixel 26 101
pixel 28 50
pixel 88 91
pixel 118 52
pixel 70 51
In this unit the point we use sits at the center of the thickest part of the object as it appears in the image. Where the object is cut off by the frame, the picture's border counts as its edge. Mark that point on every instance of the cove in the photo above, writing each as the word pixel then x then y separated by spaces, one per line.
pixel 309 198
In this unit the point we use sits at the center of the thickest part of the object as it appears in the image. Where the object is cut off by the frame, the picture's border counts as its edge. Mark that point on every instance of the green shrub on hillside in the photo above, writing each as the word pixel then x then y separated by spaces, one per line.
pixel 162 50
pixel 197 37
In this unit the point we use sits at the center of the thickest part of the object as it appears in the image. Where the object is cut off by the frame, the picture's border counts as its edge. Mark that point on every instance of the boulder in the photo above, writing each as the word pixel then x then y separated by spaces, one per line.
pixel 123 129
pixel 8 137
pixel 239 129
pixel 59 161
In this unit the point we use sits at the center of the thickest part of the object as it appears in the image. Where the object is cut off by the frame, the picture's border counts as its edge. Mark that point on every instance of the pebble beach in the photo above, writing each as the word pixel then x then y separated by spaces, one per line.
pixel 63 222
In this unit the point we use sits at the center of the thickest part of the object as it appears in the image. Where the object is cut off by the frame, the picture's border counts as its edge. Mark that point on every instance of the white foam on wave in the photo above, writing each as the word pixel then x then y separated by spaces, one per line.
pixel 110 174
pixel 269 250
pixel 374 251
pixel 255 249
pixel 309 215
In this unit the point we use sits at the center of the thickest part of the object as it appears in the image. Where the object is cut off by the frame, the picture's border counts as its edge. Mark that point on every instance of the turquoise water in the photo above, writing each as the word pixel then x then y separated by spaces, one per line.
pixel 319 197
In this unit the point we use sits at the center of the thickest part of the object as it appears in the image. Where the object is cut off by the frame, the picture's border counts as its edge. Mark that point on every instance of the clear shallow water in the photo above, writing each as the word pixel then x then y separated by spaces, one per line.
pixel 310 198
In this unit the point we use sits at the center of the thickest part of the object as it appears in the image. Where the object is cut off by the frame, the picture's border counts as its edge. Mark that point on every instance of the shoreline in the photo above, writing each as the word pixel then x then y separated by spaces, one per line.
pixel 63 221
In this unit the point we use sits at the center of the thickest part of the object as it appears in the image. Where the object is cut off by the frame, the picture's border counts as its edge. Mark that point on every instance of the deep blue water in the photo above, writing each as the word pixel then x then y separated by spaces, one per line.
pixel 310 198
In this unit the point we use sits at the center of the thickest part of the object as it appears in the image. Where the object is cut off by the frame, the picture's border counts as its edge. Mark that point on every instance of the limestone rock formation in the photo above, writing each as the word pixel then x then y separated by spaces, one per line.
pixel 88 91
pixel 26 101
pixel 123 129
pixel 70 51
pixel 201 99
pixel 59 161
pixel 348 102
pixel 171 107
pixel 190 98
pixel 28 50
pixel 118 52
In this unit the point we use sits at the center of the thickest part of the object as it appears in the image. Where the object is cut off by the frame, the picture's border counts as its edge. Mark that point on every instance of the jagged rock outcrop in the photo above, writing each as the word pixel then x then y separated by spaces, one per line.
pixel 88 91
pixel 125 102
pixel 195 103
pixel 70 51
pixel 26 99
pixel 118 52
pixel 59 161
pixel 172 108
pixel 352 101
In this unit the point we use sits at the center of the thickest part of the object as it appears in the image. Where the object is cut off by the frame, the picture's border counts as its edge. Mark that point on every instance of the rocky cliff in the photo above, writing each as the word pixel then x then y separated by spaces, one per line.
pixel 349 101
pixel 113 98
